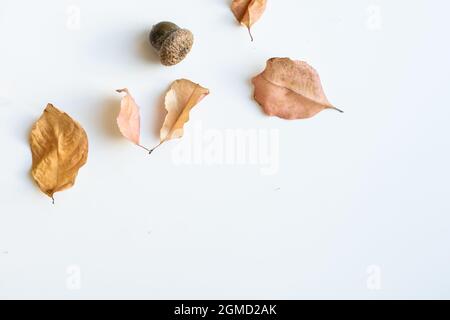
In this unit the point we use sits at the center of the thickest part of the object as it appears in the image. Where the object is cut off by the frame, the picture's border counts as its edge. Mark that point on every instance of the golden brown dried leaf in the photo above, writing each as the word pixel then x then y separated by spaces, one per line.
pixel 248 12
pixel 290 90
pixel 182 96
pixel 59 147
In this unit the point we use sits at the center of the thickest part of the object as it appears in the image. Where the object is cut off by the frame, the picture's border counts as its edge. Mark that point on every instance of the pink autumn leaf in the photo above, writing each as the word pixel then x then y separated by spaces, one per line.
pixel 290 90
pixel 129 119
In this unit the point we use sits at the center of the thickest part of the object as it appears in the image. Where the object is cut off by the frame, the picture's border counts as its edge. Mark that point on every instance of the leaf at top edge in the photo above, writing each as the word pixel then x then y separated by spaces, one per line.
pixel 248 12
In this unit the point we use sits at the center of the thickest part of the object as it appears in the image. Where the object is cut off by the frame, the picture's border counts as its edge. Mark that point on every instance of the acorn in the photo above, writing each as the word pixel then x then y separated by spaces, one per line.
pixel 171 42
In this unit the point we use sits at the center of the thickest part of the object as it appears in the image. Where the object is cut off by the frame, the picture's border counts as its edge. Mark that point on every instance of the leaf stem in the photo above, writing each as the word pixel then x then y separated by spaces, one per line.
pixel 250 33
pixel 151 151
pixel 337 109
pixel 146 149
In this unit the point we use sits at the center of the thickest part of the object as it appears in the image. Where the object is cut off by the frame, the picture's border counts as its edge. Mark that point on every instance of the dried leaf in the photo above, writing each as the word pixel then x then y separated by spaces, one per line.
pixel 290 90
pixel 182 96
pixel 129 119
pixel 248 12
pixel 59 147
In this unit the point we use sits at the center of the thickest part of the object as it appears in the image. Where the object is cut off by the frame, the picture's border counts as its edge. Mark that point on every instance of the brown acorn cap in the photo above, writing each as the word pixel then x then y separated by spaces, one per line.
pixel 176 47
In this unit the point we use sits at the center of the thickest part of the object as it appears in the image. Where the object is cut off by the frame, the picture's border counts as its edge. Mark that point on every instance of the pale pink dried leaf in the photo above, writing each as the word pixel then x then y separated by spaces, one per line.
pixel 290 90
pixel 129 119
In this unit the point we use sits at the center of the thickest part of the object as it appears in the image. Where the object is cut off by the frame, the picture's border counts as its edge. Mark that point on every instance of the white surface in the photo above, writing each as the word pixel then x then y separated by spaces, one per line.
pixel 366 188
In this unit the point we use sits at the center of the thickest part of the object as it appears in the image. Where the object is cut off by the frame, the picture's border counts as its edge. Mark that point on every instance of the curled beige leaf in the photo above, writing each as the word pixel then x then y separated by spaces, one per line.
pixel 290 90
pixel 59 147
pixel 182 96
pixel 248 12
pixel 129 119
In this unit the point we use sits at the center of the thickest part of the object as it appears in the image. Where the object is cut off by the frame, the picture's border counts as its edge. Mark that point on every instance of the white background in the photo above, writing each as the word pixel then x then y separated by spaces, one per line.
pixel 359 207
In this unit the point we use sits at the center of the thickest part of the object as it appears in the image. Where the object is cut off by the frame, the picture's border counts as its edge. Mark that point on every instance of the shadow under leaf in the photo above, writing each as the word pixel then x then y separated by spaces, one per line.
pixel 108 117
